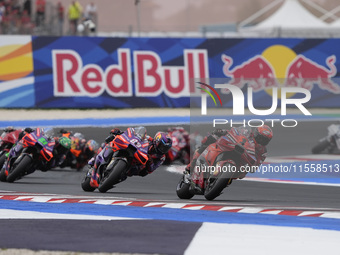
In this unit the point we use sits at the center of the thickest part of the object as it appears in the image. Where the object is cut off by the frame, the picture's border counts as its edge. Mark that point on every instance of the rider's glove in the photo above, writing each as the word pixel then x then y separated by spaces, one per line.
pixel 109 138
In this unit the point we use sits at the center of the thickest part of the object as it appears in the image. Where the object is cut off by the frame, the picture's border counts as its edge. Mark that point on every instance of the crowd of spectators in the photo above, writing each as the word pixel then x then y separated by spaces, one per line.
pixel 31 17
pixel 15 17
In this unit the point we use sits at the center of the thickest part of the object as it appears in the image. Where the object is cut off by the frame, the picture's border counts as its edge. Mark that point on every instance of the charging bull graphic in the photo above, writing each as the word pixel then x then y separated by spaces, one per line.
pixel 259 73
pixel 256 72
pixel 304 72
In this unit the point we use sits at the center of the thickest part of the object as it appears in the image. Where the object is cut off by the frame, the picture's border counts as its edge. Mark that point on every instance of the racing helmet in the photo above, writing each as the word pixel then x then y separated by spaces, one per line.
pixel 79 135
pixel 64 145
pixel 9 129
pixel 162 142
pixel 263 135
pixel 92 146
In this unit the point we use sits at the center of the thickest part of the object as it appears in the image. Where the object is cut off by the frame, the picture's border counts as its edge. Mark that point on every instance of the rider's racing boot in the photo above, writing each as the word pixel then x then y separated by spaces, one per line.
pixel 192 164
pixel 195 183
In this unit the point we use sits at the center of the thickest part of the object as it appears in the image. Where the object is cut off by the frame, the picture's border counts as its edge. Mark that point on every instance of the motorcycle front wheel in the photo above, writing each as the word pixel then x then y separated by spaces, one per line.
pixel 112 176
pixel 19 169
pixel 2 172
pixel 85 183
pixel 217 184
pixel 183 190
pixel 321 146
pixel 2 158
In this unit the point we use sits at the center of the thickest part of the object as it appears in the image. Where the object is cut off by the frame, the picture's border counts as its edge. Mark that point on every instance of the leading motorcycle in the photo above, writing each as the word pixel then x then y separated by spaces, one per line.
pixel 117 159
pixel 219 164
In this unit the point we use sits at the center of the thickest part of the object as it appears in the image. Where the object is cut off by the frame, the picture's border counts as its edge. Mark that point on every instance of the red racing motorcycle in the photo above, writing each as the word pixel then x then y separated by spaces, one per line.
pixel 180 149
pixel 7 140
pixel 229 158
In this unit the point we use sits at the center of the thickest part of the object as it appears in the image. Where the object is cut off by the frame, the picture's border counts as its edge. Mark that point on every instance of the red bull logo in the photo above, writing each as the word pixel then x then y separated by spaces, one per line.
pixel 279 66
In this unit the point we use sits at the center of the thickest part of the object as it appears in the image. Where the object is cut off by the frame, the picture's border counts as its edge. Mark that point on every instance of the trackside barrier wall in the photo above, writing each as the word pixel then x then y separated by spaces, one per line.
pixel 99 72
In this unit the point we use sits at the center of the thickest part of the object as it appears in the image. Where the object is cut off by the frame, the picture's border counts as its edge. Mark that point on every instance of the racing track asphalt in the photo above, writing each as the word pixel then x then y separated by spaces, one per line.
pixel 160 186
pixel 159 236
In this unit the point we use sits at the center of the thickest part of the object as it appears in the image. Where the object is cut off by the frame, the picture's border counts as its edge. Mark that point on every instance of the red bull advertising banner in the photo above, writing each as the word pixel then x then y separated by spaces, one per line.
pixel 99 72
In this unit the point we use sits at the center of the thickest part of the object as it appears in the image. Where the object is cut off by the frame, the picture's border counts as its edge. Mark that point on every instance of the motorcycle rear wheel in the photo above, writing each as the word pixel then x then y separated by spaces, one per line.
pixel 19 169
pixel 113 178
pixel 321 146
pixel 183 190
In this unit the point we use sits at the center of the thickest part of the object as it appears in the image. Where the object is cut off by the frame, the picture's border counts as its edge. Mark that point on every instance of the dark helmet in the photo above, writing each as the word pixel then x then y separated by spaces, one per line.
pixel 162 143
pixel 263 135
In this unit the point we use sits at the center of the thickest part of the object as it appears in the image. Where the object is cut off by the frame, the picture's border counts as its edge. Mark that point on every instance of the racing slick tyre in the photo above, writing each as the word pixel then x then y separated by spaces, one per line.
pixel 182 190
pixel 216 185
pixel 2 159
pixel 112 176
pixel 321 146
pixel 19 169
pixel 3 175
pixel 2 172
pixel 85 184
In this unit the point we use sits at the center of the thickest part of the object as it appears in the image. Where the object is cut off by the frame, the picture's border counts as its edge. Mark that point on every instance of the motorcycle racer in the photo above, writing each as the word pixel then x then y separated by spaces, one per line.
pixel 261 136
pixel 62 145
pixel 11 129
pixel 61 148
pixel 81 151
pixel 180 146
pixel 158 147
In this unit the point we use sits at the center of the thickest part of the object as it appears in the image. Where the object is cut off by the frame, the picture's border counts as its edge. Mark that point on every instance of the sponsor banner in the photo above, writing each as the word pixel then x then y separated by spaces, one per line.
pixel 99 72
pixel 116 72
pixel 16 72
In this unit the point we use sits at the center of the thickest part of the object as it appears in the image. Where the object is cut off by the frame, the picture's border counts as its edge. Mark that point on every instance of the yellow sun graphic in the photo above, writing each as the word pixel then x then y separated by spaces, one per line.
pixel 279 57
